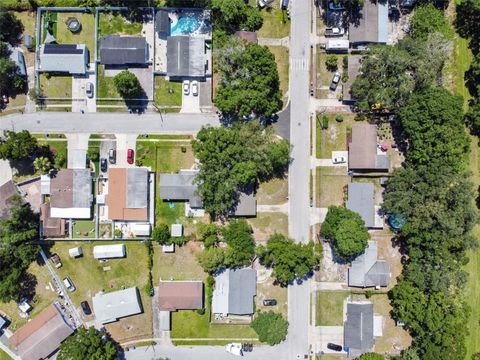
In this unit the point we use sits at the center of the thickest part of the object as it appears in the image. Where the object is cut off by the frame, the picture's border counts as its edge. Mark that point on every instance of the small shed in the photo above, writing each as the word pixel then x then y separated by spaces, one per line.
pixel 140 229
pixel 168 248
pixel 177 230
pixel 24 306
pixel 75 252
pixel 339 45
pixel 109 251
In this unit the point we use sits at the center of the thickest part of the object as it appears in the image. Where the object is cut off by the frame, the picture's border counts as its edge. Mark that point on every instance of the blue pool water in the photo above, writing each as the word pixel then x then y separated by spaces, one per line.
pixel 185 25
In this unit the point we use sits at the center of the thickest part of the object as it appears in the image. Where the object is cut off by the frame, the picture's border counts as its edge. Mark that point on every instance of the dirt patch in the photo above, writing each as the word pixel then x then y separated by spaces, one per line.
pixel 267 290
pixel 267 224
pixel 330 270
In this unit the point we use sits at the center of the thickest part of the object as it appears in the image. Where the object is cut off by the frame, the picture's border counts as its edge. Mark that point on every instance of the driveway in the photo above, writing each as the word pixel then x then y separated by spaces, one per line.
pixel 125 142
pixel 322 335
pixel 80 101
pixel 145 76
pixel 105 147
pixel 77 150
pixel 191 103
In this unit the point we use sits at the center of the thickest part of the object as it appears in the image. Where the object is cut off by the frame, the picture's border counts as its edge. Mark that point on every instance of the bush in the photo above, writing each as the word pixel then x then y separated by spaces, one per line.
pixel 117 233
pixel 331 62
pixel 324 122
pixel 201 311
pixel 161 234
pixel 93 154
pixel 127 85
pixel 271 327
pixel 339 118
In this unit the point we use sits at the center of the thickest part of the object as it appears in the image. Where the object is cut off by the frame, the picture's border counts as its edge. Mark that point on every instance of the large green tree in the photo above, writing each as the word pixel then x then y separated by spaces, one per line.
pixel 234 159
pixel 88 344
pixel 17 146
pixel 10 80
pixel 346 231
pixel 238 235
pixel 288 259
pixel 271 327
pixel 128 85
pixel 427 19
pixel 10 27
pixel 249 82
pixel 233 15
pixel 467 20
pixel 472 77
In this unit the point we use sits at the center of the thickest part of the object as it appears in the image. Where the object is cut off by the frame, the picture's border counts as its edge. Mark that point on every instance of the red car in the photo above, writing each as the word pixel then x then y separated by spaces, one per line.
pixel 130 156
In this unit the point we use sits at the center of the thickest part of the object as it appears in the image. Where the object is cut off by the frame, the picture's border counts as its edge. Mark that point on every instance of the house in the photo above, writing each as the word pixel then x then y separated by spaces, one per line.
pixel 180 187
pixel 112 306
pixel 361 199
pixel 358 328
pixel 178 295
pixel 367 270
pixel 123 50
pixel 8 192
pixel 370 25
pixel 42 336
pixel 109 251
pixel 162 24
pixel 186 57
pixel 363 153
pixel 16 55
pixel 250 36
pixel 353 69
pixel 51 227
pixel 71 194
pixel 63 58
pixel 234 292
pixel 337 46
pixel 128 194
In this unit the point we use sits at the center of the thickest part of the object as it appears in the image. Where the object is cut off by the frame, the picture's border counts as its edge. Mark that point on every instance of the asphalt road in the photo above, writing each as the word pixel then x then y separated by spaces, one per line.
pixel 299 187
pixel 107 123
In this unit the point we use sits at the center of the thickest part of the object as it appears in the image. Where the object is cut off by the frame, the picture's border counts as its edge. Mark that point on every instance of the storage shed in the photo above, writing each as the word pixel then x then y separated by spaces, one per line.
pixel 75 252
pixel 177 230
pixel 109 251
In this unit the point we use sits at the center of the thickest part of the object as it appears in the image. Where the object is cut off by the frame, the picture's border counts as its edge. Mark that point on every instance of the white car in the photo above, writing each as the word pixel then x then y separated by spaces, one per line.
pixel 263 3
pixel 186 87
pixel 195 88
pixel 339 160
pixel 234 348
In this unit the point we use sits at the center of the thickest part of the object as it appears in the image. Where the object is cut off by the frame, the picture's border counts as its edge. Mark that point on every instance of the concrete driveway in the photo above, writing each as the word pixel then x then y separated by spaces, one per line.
pixel 80 101
pixel 77 150
pixel 191 103
pixel 105 147
pixel 125 142
pixel 145 76
pixel 327 334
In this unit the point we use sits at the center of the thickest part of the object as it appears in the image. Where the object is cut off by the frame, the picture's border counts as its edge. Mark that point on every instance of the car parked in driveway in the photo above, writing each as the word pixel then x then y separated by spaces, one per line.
pixel 195 88
pixel 68 284
pixel 334 347
pixel 339 160
pixel 334 31
pixel 186 87
pixel 89 90
pixel 335 81
pixel 86 308
pixel 103 164
pixel 56 261
pixel 269 302
pixel 130 154
pixel 112 156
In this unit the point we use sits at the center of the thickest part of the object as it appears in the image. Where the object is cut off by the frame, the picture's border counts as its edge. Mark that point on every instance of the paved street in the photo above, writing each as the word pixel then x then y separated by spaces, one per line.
pixel 106 123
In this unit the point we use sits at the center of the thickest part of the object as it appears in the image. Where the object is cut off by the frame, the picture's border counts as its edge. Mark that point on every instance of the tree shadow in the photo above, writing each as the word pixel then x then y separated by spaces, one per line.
pixel 27 285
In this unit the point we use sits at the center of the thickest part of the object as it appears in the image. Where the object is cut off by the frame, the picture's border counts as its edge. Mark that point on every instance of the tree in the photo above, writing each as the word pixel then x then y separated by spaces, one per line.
pixel 427 19
pixel 17 146
pixel 161 234
pixel 271 327
pixel 346 230
pixel 371 356
pixel 249 82
pixel 42 164
pixel 127 85
pixel 241 246
pixel 331 62
pixel 10 80
pixel 467 20
pixel 288 259
pixel 472 117
pixel 88 344
pixel 10 27
pixel 233 15
pixel 472 76
pixel 211 259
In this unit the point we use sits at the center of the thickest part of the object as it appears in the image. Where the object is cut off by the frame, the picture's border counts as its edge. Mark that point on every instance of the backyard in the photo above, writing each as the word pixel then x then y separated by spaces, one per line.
pixel 331 186
pixel 167 93
pixel 115 23
pixel 85 36
pixel 281 57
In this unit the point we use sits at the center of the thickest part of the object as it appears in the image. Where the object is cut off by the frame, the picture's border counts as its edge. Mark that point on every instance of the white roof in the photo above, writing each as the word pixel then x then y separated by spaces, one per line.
pixel 140 229
pixel 168 248
pixel 44 184
pixel 377 325
pixel 109 307
pixel 76 251
pixel 70 213
pixel 177 230
pixel 337 44
pixel 109 251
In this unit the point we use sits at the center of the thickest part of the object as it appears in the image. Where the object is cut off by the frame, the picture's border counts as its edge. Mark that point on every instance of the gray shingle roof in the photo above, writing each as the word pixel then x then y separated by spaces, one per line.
pixel 82 188
pixel 65 58
pixel 162 23
pixel 234 291
pixel 367 271
pixel 120 50
pixel 180 187
pixel 362 150
pixel 246 206
pixel 137 188
pixel 109 307
pixel 358 329
pixel 361 200
pixel 371 25
pixel 185 56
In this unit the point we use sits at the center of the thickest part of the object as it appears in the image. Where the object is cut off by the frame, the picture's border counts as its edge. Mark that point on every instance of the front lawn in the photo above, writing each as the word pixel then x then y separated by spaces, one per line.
pixel 329 310
pixel 56 86
pixel 330 186
pixel 116 24
pixel 167 93
pixel 106 87
pixel 273 192
pixel 335 137
pixel 266 224
pixel 282 60
pixel 275 22
pixel 85 36
pixel 165 156
pixel 59 151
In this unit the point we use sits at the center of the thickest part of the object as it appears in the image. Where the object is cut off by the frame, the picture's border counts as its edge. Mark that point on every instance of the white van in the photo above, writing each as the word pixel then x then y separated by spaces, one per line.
pixel 68 284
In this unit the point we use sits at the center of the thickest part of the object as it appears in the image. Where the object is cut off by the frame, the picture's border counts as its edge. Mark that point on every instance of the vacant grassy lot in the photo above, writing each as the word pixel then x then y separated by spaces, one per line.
pixel 335 137
pixel 275 21
pixel 167 156
pixel 56 86
pixel 330 308
pixel 330 186
pixel 281 58
pixel 106 87
pixel 273 192
pixel 90 276
pixel 167 93
pixel 116 24
pixel 85 36
pixel 267 290
pixel 267 224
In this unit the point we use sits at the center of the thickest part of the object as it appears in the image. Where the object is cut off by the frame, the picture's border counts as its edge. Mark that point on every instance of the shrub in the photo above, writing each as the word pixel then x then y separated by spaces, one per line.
pixel 324 122
pixel 339 118
pixel 331 62
pixel 271 327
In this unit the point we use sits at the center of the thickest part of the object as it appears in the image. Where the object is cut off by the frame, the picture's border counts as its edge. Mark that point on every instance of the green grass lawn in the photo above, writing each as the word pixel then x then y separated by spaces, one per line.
pixel 273 192
pixel 84 226
pixel 85 36
pixel 116 23
pixel 335 137
pixel 266 224
pixel 59 150
pixel 57 86
pixel 275 22
pixel 4 356
pixel 330 308
pixel 281 57
pixel 330 185
pixel 324 76
pixel 167 93
pixel 106 87
pixel 168 156
pixel 166 214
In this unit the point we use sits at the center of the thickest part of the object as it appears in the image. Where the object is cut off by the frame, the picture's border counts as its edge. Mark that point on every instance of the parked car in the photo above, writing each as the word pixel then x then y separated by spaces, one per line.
pixel 262 3
pixel 103 164
pixel 130 154
pixel 56 261
pixel 186 87
pixel 194 87
pixel 335 81
pixel 69 284
pixel 284 4
pixel 247 347
pixel 112 156
pixel 234 348
pixel 85 307
pixel 269 302
pixel 334 31
pixel 89 90
pixel 339 160
pixel 332 5
pixel 334 347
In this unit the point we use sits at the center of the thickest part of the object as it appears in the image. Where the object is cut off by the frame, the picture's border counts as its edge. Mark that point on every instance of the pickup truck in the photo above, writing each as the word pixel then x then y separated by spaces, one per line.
pixel 334 31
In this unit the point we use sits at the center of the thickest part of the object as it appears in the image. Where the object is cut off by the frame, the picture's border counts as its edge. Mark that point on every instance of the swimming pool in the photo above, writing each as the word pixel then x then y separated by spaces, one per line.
pixel 185 25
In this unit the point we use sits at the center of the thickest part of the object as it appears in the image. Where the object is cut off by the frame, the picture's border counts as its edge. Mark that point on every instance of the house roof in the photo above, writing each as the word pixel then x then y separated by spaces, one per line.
pixel 68 58
pixel 71 193
pixel 162 23
pixel 358 328
pixel 16 55
pixel 109 307
pixel 127 197
pixel 367 271
pixel 185 56
pixel 246 206
pixel 43 335
pixel 51 227
pixel 362 149
pixel 250 36
pixel 234 291
pixel 2 322
pixel 354 65
pixel 180 295
pixel 361 199
pixel 120 50
pixel 370 24
pixel 7 192
pixel 180 187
